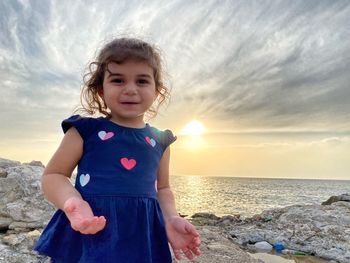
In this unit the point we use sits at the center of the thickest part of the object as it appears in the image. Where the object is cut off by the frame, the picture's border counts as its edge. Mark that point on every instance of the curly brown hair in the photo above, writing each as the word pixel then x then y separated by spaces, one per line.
pixel 119 51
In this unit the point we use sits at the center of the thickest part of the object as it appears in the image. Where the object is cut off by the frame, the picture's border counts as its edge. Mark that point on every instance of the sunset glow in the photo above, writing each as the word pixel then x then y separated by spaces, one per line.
pixel 193 128
pixel 262 95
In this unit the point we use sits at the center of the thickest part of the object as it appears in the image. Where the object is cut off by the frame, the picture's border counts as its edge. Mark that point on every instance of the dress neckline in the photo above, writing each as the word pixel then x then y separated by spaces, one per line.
pixel 106 119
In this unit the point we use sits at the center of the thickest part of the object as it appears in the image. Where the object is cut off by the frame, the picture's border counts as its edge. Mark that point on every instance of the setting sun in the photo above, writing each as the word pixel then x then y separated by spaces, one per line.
pixel 193 139
pixel 193 128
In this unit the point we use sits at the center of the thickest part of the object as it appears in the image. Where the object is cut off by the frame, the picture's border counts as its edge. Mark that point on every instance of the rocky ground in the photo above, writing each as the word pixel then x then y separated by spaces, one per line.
pixel 217 247
pixel 321 230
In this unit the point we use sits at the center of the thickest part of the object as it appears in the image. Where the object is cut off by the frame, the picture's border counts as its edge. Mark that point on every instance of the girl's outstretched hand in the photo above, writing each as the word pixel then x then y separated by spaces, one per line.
pixel 81 217
pixel 183 237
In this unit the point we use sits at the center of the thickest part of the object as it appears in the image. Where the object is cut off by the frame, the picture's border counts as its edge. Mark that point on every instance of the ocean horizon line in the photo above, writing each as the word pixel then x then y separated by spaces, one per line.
pixel 259 178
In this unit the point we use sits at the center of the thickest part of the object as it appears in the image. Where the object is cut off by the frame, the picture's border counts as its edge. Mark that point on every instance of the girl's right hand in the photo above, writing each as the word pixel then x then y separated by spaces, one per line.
pixel 81 217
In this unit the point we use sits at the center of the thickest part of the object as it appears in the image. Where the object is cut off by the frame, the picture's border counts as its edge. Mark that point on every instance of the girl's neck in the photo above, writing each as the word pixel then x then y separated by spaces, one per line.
pixel 129 123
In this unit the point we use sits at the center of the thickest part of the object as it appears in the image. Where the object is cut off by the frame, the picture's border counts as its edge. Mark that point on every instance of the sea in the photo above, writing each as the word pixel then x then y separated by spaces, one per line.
pixel 249 196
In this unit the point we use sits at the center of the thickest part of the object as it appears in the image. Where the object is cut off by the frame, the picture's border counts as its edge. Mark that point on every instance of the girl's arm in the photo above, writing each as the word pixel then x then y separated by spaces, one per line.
pixel 58 189
pixel 165 195
pixel 55 181
pixel 182 235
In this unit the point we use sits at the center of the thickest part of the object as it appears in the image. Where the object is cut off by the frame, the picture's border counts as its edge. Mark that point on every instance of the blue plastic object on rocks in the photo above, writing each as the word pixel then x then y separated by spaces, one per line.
pixel 279 247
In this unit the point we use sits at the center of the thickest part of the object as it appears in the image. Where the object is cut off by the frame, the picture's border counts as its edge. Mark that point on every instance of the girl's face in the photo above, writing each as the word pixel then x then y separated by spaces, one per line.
pixel 129 91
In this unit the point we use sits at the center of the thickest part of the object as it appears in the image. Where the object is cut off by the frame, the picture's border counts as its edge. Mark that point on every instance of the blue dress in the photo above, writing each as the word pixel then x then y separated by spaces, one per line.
pixel 117 177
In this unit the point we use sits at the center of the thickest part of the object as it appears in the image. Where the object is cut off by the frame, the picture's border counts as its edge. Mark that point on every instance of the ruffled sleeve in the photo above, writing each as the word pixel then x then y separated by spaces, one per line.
pixel 164 138
pixel 83 125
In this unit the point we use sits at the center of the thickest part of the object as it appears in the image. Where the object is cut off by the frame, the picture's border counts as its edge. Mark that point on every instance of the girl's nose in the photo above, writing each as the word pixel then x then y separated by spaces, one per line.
pixel 130 88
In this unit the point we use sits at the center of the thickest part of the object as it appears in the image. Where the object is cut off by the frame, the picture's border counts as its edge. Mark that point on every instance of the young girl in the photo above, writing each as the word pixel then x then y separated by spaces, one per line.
pixel 121 208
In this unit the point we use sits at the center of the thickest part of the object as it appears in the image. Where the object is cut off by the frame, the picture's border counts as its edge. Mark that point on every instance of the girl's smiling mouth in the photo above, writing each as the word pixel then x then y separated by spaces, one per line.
pixel 129 102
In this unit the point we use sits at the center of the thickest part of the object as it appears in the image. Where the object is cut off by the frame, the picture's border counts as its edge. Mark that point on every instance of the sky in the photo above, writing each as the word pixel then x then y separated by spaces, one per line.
pixel 269 80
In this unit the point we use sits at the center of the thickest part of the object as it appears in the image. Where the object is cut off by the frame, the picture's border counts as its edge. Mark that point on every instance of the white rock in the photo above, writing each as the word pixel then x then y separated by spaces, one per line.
pixel 4 163
pixel 22 204
pixel 263 246
pixel 321 230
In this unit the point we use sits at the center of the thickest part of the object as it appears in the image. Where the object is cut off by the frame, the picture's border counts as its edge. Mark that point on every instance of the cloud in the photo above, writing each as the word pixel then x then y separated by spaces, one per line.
pixel 335 141
pixel 289 69
pixel 255 65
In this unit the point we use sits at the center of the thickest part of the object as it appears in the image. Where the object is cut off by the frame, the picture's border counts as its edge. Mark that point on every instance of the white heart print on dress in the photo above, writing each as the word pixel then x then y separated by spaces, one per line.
pixel 84 179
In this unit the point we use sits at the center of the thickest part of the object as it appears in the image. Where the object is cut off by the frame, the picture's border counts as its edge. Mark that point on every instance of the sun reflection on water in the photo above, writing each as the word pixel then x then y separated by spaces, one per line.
pixel 248 196
pixel 197 194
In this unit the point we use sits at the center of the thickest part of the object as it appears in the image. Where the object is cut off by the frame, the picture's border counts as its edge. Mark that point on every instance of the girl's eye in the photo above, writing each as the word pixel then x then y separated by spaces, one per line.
pixel 142 81
pixel 118 81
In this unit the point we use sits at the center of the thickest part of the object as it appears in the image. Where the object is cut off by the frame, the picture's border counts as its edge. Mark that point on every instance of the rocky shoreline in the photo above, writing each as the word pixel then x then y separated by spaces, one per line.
pixel 318 230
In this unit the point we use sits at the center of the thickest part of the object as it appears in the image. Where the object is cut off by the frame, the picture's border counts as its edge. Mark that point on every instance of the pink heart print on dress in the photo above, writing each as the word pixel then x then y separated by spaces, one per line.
pixel 84 179
pixel 105 135
pixel 128 163
pixel 151 141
